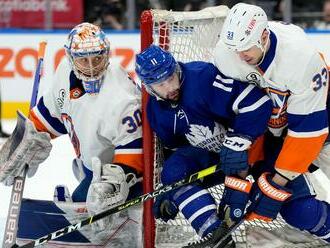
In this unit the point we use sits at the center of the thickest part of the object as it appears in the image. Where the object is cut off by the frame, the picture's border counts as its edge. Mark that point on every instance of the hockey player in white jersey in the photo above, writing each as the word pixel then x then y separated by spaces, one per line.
pixel 97 104
pixel 279 58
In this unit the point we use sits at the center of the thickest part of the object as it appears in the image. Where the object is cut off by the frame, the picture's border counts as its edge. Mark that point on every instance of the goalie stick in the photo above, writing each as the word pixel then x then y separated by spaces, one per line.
pixel 10 233
pixel 140 199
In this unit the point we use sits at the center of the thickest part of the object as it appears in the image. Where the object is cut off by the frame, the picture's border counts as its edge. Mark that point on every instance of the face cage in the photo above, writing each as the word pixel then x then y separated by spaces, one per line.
pixel 92 82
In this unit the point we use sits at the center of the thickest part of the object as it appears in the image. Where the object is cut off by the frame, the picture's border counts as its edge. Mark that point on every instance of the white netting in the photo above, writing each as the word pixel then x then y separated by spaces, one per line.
pixel 192 36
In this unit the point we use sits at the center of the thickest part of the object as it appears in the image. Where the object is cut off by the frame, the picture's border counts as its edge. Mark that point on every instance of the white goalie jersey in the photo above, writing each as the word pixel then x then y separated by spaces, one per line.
pixel 108 122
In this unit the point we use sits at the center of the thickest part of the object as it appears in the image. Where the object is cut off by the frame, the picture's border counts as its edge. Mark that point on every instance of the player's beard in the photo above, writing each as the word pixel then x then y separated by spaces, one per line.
pixel 174 95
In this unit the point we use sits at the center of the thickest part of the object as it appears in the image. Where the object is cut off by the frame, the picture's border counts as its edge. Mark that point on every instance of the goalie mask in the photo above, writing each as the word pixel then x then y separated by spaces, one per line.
pixel 159 73
pixel 88 50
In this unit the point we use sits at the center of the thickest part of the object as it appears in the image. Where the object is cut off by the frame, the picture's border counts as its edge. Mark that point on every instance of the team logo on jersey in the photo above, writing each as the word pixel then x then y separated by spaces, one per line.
pixel 181 114
pixel 75 93
pixel 279 118
pixel 60 99
pixel 201 136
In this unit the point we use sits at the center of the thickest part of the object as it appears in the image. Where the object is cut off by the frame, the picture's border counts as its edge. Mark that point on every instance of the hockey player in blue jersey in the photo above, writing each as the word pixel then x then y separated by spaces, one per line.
pixel 195 108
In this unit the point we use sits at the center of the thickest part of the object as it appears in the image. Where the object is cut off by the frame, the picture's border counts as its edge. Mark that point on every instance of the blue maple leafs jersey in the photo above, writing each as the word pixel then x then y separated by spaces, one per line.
pixel 210 104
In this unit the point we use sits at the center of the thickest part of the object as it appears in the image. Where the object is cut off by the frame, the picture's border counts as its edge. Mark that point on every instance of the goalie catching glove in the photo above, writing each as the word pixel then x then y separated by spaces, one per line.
pixel 26 146
pixel 109 188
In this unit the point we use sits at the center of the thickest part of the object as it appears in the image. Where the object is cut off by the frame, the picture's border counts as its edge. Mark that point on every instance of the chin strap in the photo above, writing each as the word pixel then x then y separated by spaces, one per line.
pixel 263 49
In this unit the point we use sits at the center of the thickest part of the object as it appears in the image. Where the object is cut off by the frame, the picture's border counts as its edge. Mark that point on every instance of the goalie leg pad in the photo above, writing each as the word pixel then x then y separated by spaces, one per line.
pixel 80 193
pixel 78 168
pixel 199 208
pixel 309 214
pixel 62 194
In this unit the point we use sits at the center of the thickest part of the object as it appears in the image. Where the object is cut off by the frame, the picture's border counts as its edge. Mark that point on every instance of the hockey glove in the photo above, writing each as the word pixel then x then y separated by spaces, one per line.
pixel 267 198
pixel 109 188
pixel 235 197
pixel 164 208
pixel 25 146
pixel 234 155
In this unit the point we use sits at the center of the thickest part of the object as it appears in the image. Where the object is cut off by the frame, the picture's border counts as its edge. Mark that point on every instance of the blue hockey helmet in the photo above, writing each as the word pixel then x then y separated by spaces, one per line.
pixel 154 65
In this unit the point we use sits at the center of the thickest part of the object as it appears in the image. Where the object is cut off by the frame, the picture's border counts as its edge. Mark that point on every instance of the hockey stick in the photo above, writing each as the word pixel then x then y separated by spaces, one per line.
pixel 219 238
pixel 226 232
pixel 10 234
pixel 140 199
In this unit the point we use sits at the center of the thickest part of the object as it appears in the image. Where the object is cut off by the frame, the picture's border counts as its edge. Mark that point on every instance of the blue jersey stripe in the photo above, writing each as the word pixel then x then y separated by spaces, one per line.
pixel 135 144
pixel 52 121
pixel 269 57
pixel 308 123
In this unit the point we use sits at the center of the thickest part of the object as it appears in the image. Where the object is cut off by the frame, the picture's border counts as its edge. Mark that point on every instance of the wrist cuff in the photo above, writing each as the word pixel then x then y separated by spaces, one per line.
pixel 271 191
pixel 236 143
pixel 238 184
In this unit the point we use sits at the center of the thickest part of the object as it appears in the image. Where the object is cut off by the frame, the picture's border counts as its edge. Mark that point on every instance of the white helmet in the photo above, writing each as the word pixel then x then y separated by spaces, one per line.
pixel 243 27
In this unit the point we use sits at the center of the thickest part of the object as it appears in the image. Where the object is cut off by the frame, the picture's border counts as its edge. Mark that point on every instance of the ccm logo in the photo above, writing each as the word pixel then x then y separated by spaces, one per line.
pixel 233 143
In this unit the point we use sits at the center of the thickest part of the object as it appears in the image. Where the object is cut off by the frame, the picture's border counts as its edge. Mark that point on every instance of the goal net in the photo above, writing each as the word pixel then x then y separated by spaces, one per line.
pixel 192 36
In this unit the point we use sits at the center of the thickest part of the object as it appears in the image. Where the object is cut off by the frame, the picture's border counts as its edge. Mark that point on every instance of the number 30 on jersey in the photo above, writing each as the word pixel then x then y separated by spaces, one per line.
pixel 134 121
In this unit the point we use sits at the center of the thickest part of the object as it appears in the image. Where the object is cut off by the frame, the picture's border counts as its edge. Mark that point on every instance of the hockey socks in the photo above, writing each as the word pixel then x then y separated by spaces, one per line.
pixel 199 208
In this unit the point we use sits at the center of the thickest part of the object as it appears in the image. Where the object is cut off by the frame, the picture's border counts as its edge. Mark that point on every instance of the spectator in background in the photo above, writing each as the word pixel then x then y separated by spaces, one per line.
pixel 325 22
pixel 182 5
pixel 304 13
pixel 194 5
pixel 105 13
pixel 112 14
pixel 92 11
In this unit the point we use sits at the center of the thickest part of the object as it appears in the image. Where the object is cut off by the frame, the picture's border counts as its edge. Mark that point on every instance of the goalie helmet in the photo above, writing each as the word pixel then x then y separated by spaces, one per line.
pixel 154 65
pixel 243 27
pixel 88 50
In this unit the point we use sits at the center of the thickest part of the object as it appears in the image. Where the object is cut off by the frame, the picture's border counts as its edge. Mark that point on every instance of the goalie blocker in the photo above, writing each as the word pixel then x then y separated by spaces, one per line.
pixel 26 146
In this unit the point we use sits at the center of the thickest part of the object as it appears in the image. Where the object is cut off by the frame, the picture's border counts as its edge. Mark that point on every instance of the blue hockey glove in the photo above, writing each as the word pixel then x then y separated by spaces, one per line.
pixel 267 198
pixel 235 197
pixel 234 155
pixel 164 208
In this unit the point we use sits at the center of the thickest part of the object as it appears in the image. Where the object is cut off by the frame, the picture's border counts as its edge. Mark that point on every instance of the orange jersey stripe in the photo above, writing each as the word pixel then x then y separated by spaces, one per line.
pixel 256 151
pixel 132 160
pixel 38 124
pixel 255 216
pixel 298 153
